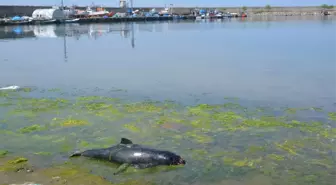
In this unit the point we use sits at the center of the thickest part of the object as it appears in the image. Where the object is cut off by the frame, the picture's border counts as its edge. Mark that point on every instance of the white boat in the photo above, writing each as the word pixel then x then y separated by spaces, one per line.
pixel 90 12
pixel 71 20
pixel 198 17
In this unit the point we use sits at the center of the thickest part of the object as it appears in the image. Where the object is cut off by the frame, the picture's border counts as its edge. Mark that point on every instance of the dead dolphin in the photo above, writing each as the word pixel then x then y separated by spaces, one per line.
pixel 128 154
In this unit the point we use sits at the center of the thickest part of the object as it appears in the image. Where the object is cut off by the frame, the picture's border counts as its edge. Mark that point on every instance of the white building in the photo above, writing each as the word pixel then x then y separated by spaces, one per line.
pixel 48 14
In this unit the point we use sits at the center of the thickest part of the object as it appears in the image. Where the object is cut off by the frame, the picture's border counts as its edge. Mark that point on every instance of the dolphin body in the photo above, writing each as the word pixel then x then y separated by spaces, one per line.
pixel 128 154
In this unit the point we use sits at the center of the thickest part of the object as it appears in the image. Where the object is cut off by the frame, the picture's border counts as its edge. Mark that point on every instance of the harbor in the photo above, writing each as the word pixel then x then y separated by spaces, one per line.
pixel 99 14
pixel 245 101
pixel 126 12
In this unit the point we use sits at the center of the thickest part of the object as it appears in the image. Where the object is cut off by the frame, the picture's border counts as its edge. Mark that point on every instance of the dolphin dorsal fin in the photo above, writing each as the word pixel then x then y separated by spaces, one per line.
pixel 125 141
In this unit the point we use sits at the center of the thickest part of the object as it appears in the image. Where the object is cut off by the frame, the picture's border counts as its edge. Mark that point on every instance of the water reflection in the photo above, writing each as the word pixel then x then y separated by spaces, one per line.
pixel 126 30
pixel 77 31
pixel 92 31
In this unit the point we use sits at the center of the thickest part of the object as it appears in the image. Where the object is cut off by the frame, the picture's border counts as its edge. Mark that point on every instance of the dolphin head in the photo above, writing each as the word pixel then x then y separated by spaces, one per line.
pixel 172 159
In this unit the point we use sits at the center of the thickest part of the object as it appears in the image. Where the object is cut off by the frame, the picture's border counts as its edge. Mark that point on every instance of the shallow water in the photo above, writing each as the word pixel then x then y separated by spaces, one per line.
pixel 243 101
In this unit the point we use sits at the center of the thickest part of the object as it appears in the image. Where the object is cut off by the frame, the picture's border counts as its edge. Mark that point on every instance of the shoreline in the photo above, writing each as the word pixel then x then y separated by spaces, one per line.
pixel 25 10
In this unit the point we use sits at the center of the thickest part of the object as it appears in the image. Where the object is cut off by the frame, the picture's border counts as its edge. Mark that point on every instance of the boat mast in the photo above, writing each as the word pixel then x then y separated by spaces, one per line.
pixel 62 4
pixel 131 6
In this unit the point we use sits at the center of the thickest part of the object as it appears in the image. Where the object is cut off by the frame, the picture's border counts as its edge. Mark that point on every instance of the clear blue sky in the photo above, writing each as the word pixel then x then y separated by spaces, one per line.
pixel 161 3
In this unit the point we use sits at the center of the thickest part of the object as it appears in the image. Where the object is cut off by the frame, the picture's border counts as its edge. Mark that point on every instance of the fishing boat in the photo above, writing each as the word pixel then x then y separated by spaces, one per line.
pixel 89 12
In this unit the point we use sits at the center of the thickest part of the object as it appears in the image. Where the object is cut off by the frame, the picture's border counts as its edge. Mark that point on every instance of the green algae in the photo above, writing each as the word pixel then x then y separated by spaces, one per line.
pixel 97 106
pixel 149 107
pixel 132 127
pixel 203 122
pixel 332 116
pixel 3 153
pixel 84 144
pixel 32 128
pixel 251 163
pixel 13 164
pixel 41 105
pixel 18 160
pixel 289 146
pixel 74 175
pixel 291 110
pixel 199 137
pixel 255 149
pixel 73 122
pixel 42 153
pixel 276 157
pixel 324 163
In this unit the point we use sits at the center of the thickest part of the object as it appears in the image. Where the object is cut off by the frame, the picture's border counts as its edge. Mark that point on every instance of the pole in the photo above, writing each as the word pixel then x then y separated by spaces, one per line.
pixel 62 4
pixel 133 43
pixel 65 45
pixel 132 6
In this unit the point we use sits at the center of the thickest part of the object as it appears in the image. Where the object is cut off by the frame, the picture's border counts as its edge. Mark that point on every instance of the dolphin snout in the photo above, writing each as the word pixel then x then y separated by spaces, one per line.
pixel 182 161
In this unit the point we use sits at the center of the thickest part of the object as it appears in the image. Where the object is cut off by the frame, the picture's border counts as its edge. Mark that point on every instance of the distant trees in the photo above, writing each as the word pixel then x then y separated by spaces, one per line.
pixel 244 8
pixel 325 6
pixel 268 7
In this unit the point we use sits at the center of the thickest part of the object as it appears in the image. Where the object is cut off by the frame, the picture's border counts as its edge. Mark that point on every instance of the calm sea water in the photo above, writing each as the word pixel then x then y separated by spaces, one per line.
pixel 274 60
pixel 262 61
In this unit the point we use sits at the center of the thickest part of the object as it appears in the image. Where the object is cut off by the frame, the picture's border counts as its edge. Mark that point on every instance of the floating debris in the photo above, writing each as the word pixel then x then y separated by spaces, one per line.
pixel 12 87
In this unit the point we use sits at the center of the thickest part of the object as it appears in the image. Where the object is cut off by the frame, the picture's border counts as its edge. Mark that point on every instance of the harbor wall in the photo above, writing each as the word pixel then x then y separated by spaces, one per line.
pixel 28 10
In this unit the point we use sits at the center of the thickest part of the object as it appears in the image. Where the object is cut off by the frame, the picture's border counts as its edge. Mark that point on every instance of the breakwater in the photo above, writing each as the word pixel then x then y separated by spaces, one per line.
pixel 28 10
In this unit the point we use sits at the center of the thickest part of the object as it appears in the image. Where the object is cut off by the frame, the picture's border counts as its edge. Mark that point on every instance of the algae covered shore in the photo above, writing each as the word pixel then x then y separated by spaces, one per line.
pixel 224 143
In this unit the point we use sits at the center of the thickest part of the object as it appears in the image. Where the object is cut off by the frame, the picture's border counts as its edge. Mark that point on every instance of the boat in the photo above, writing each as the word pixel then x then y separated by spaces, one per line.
pixel 10 22
pixel 243 15
pixel 37 21
pixel 325 12
pixel 17 20
pixel 219 15
pixel 198 17
pixel 71 20
pixel 228 14
pixel 89 12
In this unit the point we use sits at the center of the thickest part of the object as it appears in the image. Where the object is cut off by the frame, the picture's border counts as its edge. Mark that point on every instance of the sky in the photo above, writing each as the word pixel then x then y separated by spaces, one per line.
pixel 176 3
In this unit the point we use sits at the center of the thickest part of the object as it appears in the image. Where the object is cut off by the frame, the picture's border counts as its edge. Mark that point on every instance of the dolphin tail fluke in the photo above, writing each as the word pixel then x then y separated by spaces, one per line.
pixel 76 154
